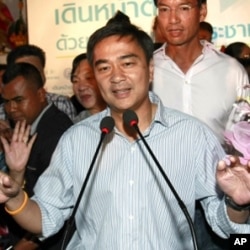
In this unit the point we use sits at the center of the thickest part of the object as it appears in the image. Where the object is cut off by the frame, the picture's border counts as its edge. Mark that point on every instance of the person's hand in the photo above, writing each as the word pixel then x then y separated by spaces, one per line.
pixel 8 188
pixel 25 244
pixel 17 151
pixel 234 179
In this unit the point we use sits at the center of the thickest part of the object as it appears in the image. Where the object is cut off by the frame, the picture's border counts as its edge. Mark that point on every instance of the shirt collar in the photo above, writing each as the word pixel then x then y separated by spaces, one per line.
pixel 159 114
pixel 37 120
pixel 207 48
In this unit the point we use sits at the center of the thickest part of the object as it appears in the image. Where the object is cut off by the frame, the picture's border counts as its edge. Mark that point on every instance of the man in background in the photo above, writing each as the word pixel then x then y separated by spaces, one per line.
pixel 36 56
pixel 206 31
pixel 192 76
pixel 25 100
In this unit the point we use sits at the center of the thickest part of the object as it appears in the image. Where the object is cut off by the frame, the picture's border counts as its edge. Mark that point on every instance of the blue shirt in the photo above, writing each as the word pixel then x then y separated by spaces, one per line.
pixel 127 205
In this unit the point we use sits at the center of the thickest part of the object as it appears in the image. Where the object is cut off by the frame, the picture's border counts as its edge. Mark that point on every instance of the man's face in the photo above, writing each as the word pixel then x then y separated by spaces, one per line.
pixel 122 73
pixel 21 101
pixel 205 35
pixel 245 53
pixel 85 86
pixel 179 20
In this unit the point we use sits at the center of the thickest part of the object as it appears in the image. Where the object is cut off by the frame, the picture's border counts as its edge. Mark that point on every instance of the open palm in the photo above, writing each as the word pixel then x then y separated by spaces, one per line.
pixel 17 151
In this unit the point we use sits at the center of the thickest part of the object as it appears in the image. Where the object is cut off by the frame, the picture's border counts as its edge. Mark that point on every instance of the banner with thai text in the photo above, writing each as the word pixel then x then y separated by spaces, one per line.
pixel 62 28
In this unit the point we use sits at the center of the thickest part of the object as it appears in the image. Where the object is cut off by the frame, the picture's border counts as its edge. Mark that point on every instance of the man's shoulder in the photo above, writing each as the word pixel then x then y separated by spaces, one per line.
pixel 53 117
pixel 54 97
pixel 63 103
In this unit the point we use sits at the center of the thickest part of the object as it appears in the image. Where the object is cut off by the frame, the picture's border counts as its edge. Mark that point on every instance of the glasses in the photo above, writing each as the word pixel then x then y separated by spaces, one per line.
pixel 182 10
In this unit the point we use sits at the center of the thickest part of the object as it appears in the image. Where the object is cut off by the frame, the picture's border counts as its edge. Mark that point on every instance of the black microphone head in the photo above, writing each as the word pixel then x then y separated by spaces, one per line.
pixel 130 118
pixel 107 124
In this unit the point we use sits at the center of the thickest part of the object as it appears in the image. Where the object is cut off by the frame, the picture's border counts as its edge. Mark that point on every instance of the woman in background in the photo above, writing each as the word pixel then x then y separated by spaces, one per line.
pixel 85 88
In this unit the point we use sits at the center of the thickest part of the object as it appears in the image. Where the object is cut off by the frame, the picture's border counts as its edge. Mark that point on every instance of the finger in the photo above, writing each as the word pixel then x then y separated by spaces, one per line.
pixel 16 132
pixel 32 140
pixel 21 132
pixel 27 131
pixel 8 186
pixel 221 166
pixel 5 143
pixel 6 182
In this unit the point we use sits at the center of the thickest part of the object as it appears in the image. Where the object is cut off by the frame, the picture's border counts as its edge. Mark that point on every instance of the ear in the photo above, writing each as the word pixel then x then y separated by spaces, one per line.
pixel 41 94
pixel 203 12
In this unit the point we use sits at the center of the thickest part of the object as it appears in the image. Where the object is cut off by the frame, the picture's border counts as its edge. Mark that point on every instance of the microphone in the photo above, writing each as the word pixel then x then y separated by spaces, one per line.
pixel 106 126
pixel 131 120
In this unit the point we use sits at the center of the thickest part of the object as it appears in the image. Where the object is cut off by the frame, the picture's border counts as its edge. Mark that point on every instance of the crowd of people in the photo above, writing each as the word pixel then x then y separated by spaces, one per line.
pixel 179 90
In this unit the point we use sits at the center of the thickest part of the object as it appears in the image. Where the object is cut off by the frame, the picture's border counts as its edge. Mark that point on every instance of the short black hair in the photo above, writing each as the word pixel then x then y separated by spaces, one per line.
pixel 119 17
pixel 3 66
pixel 26 50
pixel 244 61
pixel 206 26
pixel 26 70
pixel 200 2
pixel 76 62
pixel 235 49
pixel 123 29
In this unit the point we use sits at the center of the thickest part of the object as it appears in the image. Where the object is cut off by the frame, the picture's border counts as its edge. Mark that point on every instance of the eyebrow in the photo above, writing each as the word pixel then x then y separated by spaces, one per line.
pixel 120 58
pixel 13 99
pixel 183 3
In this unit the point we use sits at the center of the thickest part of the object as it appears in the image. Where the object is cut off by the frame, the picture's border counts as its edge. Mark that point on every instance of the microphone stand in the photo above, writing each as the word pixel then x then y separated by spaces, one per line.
pixel 71 221
pixel 130 119
pixel 180 202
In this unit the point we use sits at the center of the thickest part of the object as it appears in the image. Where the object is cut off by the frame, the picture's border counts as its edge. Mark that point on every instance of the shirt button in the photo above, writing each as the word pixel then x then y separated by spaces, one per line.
pixel 131 182
pixel 131 217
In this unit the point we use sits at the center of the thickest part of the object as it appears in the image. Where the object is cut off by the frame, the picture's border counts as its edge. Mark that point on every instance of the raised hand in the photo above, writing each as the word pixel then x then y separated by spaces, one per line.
pixel 17 151
pixel 234 180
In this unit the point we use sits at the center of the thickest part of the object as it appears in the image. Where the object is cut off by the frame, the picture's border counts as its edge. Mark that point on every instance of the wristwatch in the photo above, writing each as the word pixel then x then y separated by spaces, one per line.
pixel 230 203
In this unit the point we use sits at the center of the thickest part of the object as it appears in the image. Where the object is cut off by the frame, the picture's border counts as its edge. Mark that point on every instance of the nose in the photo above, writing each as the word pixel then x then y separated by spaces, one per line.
pixel 11 106
pixel 82 85
pixel 174 16
pixel 117 75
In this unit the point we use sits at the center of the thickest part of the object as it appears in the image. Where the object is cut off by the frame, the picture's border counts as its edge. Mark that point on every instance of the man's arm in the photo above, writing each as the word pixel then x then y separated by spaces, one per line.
pixel 25 211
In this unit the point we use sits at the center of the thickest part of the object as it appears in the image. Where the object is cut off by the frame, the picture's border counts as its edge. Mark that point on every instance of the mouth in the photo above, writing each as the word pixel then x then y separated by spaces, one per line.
pixel 121 93
pixel 85 97
pixel 17 118
pixel 174 32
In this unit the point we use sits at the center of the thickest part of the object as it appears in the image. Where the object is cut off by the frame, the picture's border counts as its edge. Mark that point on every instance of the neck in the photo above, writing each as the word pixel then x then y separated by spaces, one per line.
pixel 145 117
pixel 184 55
pixel 97 109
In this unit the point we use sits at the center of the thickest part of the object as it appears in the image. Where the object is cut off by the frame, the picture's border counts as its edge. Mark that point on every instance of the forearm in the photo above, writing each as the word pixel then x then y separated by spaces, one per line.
pixel 29 217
